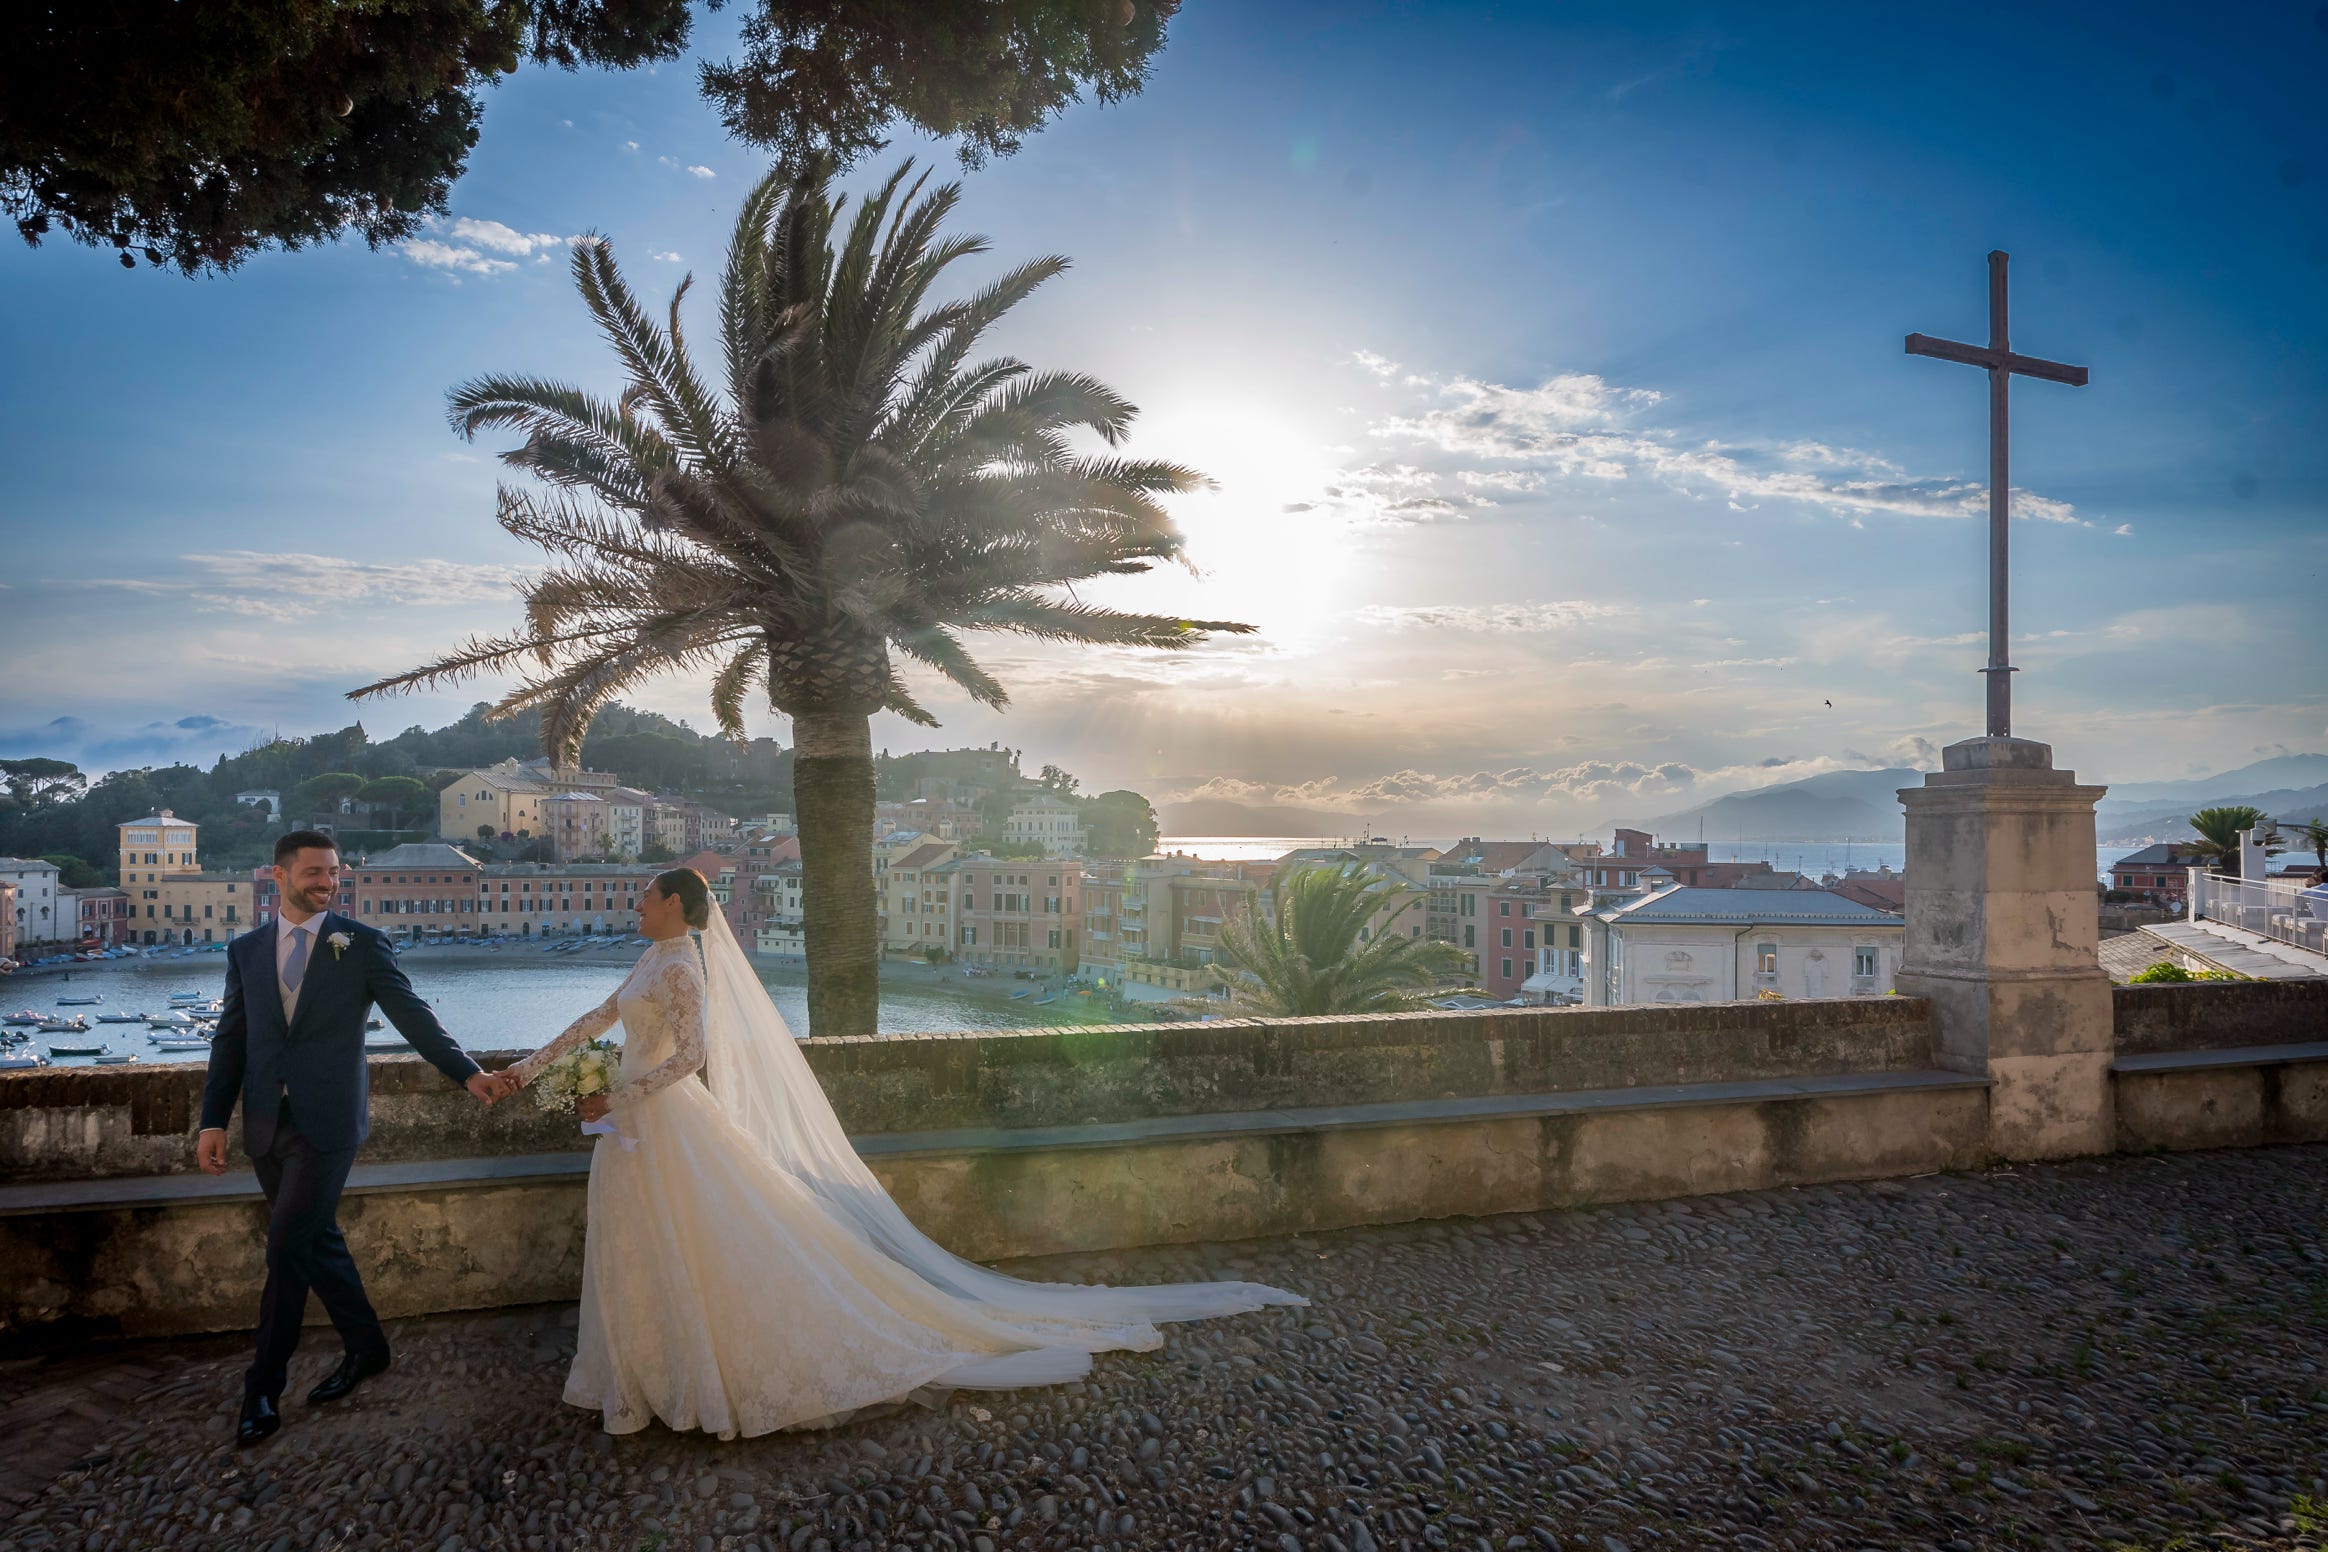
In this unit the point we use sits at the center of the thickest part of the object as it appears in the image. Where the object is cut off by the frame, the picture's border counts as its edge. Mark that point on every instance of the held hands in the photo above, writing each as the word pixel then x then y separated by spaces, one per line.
pixel 491 1087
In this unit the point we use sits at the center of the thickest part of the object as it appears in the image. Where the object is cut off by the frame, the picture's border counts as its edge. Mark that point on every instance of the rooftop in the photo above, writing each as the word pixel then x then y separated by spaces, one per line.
pixel 422 854
pixel 1749 907
pixel 2085 1355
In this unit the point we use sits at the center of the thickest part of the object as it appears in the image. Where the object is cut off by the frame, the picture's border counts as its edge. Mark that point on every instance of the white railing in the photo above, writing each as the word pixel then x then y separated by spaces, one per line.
pixel 2271 908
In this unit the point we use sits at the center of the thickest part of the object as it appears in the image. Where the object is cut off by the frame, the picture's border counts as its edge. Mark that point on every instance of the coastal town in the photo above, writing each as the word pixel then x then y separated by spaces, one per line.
pixel 990 873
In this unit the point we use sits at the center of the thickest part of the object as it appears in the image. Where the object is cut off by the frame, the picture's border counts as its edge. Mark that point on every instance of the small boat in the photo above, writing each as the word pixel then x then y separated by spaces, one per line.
pixel 75 1025
pixel 1040 1001
pixel 22 1016
pixel 19 1061
pixel 386 1043
pixel 75 1050
pixel 114 1058
pixel 180 999
pixel 176 1018
pixel 79 1002
pixel 175 1044
pixel 121 1018
pixel 371 1024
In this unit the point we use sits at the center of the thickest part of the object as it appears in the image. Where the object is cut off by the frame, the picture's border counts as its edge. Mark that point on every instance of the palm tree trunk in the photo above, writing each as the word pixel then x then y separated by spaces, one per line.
pixel 832 786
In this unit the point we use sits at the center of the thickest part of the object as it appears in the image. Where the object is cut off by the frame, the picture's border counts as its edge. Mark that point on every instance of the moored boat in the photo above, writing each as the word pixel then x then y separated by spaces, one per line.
pixel 75 1050
pixel 79 1002
pixel 121 1018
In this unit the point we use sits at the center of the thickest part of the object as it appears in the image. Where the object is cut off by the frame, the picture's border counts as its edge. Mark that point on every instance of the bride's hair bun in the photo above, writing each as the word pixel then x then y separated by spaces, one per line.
pixel 694 894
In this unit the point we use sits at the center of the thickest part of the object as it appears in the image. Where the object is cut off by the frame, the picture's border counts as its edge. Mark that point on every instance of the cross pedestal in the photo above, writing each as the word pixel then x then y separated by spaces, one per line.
pixel 2002 933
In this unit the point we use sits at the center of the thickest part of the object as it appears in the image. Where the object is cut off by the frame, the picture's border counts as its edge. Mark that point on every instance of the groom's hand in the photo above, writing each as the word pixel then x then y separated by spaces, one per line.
pixel 484 1085
pixel 210 1151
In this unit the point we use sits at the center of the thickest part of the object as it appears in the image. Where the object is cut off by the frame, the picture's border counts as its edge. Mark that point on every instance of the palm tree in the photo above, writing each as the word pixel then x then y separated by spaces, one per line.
pixel 1309 953
pixel 862 490
pixel 2219 833
pixel 2313 833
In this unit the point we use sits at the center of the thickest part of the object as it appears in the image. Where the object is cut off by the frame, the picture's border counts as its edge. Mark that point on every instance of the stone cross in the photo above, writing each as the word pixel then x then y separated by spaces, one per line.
pixel 1998 357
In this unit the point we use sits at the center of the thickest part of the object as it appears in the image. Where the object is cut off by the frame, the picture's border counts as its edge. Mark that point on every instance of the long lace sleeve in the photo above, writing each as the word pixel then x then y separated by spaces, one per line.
pixel 678 988
pixel 596 1022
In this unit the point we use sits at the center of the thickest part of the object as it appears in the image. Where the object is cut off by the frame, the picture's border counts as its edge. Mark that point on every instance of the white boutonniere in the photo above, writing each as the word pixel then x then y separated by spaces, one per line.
pixel 339 942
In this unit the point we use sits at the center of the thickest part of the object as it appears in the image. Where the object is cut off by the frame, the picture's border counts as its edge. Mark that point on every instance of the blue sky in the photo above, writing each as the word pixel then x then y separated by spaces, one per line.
pixel 1548 359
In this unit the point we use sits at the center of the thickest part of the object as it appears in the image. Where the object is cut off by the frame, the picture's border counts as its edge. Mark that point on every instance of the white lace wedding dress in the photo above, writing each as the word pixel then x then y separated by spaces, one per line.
pixel 744 1272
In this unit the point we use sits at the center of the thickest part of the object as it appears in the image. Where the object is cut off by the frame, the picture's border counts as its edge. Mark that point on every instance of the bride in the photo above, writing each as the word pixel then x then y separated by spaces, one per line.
pixel 743 1271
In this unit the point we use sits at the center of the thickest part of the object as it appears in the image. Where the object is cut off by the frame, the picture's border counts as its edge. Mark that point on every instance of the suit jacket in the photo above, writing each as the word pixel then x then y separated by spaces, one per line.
pixel 316 1058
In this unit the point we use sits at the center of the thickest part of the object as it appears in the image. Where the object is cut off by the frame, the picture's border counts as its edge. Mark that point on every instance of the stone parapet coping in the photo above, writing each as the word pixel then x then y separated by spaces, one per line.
pixel 428 1174
pixel 2237 1056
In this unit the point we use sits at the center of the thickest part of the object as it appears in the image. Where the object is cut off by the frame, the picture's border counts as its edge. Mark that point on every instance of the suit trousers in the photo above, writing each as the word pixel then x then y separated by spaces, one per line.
pixel 305 1249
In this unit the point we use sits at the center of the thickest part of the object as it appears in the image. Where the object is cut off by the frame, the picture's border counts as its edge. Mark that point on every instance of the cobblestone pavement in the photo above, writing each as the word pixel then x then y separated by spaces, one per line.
pixel 2118 1353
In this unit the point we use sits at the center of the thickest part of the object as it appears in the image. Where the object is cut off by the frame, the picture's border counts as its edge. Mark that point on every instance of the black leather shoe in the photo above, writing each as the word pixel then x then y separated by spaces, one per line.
pixel 352 1372
pixel 258 1422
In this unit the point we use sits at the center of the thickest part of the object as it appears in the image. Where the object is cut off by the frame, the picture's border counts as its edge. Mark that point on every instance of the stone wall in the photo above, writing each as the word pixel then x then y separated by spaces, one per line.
pixel 96 1123
pixel 1018 1143
pixel 2218 1015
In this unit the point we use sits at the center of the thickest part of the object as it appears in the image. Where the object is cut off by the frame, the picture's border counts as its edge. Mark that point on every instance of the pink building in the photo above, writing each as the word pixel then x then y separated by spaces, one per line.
pixel 1018 913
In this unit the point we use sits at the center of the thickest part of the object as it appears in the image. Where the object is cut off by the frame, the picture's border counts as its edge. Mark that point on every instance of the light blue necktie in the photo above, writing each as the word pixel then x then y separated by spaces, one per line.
pixel 296 965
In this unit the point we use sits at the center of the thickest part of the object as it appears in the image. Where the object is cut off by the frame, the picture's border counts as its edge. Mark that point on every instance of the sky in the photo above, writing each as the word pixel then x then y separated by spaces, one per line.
pixel 1547 361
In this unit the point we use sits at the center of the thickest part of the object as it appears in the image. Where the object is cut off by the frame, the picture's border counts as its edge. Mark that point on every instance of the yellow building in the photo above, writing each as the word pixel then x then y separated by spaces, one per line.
pixel 504 799
pixel 156 847
pixel 191 908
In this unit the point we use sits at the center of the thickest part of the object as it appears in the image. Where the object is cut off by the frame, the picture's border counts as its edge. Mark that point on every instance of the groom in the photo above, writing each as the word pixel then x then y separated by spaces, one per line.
pixel 290 1046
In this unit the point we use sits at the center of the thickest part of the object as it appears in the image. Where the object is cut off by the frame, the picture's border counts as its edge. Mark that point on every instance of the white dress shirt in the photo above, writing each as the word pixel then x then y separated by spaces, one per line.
pixel 285 931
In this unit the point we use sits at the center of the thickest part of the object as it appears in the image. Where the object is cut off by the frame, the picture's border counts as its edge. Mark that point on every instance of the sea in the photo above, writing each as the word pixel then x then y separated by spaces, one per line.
pixel 508 999
pixel 1816 858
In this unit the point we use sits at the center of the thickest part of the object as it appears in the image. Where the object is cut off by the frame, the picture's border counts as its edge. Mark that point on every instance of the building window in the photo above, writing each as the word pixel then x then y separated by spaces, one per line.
pixel 1507 937
pixel 1470 936
pixel 1503 908
pixel 1507 968
pixel 1528 938
pixel 1766 959
pixel 1863 961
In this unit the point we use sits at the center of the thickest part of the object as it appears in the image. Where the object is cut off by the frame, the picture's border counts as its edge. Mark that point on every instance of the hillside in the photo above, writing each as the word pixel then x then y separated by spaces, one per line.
pixel 2279 774
pixel 1838 806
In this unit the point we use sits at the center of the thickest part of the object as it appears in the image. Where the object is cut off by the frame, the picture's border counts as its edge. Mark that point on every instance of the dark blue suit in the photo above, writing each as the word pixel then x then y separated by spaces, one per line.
pixel 306 1092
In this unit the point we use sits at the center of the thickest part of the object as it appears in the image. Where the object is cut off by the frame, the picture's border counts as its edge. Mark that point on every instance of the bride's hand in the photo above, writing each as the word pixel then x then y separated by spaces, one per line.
pixel 591 1107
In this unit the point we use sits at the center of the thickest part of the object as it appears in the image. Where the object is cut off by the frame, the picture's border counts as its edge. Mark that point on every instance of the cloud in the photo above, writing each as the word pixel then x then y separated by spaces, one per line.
pixel 1493 421
pixel 1378 365
pixel 474 244
pixel 1593 781
pixel 2123 531
pixel 1578 425
pixel 702 172
pixel 301 587
pixel 667 257
pixel 1493 619
pixel 432 254
pixel 503 239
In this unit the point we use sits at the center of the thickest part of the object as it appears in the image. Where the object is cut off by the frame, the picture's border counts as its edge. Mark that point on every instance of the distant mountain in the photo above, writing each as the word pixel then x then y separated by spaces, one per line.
pixel 1221 816
pixel 2281 773
pixel 2132 821
pixel 1838 806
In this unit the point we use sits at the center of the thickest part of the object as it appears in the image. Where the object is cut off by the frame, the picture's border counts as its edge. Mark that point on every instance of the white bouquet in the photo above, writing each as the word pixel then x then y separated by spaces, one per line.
pixel 590 1068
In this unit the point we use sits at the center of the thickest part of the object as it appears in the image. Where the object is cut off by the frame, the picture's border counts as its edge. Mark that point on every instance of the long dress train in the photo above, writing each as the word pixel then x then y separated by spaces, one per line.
pixel 741 1275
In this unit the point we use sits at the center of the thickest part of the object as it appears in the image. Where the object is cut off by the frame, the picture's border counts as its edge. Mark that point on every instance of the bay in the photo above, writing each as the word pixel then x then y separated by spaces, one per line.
pixel 516 997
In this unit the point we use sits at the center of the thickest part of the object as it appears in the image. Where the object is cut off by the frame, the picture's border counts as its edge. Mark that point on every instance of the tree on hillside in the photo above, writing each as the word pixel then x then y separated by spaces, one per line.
pixel 862 491
pixel 1311 953
pixel 194 135
pixel 1119 824
pixel 321 796
pixel 38 783
pixel 397 797
pixel 2218 830
pixel 73 873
